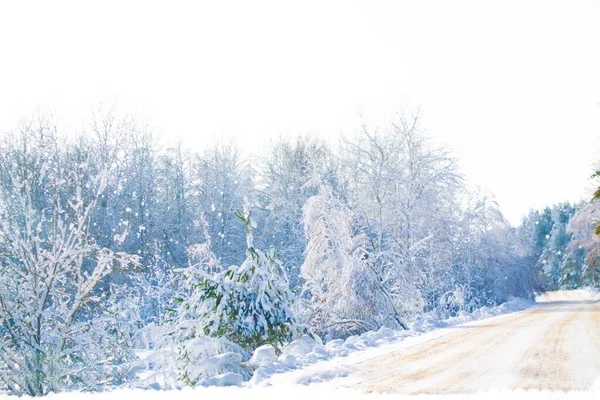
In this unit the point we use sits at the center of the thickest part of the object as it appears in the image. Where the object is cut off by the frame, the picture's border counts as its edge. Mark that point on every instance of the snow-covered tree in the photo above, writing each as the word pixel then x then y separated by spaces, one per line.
pixel 344 292
pixel 554 255
pixel 221 180
pixel 57 328
pixel 549 239
pixel 228 314
pixel 493 256
pixel 372 233
pixel 585 244
pixel 250 304
pixel 402 190
pixel 284 172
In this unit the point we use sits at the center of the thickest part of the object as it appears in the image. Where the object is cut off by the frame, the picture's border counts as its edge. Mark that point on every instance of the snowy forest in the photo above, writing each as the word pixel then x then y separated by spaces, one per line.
pixel 113 245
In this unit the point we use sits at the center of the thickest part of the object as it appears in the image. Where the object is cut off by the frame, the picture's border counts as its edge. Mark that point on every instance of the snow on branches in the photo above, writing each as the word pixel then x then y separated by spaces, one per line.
pixel 344 297
pixel 54 333
pixel 229 314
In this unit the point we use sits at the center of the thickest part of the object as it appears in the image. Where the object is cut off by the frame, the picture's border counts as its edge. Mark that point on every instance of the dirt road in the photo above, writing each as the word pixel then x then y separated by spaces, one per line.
pixel 553 346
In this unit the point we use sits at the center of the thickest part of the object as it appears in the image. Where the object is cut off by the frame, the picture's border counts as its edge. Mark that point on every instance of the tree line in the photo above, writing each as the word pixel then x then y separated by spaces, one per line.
pixel 111 242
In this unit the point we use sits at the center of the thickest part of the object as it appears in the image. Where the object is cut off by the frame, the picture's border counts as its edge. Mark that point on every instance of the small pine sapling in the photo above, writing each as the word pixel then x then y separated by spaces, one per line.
pixel 250 304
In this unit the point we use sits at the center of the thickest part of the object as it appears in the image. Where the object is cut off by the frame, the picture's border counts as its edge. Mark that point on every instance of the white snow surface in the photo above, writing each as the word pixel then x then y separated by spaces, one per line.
pixel 264 355
pixel 298 392
pixel 226 379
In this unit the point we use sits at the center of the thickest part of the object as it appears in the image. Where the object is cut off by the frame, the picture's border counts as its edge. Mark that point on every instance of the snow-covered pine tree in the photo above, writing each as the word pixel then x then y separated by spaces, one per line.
pixel 586 243
pixel 228 314
pixel 554 255
pixel 250 304
pixel 558 263
pixel 186 356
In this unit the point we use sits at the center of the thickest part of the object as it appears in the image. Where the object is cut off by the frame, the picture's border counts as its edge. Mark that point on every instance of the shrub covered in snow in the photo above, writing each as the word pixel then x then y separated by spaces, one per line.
pixel 346 296
pixel 59 331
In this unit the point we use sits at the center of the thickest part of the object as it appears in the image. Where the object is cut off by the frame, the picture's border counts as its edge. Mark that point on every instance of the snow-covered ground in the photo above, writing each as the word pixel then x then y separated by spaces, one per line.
pixel 299 392
pixel 521 349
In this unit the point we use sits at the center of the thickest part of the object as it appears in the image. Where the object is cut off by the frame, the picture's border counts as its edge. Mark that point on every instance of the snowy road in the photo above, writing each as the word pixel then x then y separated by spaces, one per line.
pixel 552 346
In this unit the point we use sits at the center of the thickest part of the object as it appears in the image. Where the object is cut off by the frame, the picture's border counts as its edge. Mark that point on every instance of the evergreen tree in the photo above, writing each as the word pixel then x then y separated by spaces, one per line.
pixel 227 315
pixel 250 304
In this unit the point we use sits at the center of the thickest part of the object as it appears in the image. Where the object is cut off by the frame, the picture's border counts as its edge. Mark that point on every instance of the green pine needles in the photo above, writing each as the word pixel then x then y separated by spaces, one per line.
pixel 250 304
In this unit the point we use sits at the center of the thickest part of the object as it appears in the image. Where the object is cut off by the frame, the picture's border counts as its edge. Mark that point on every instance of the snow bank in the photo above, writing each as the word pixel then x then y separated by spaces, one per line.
pixel 263 355
pixel 307 351
pixel 427 323
pixel 226 379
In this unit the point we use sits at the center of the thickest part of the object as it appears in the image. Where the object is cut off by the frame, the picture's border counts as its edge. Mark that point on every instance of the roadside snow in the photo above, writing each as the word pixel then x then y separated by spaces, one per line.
pixel 306 351
pixel 293 364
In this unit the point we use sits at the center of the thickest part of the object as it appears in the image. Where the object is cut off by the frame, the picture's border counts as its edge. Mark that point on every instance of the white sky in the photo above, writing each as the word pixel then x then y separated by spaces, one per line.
pixel 512 86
